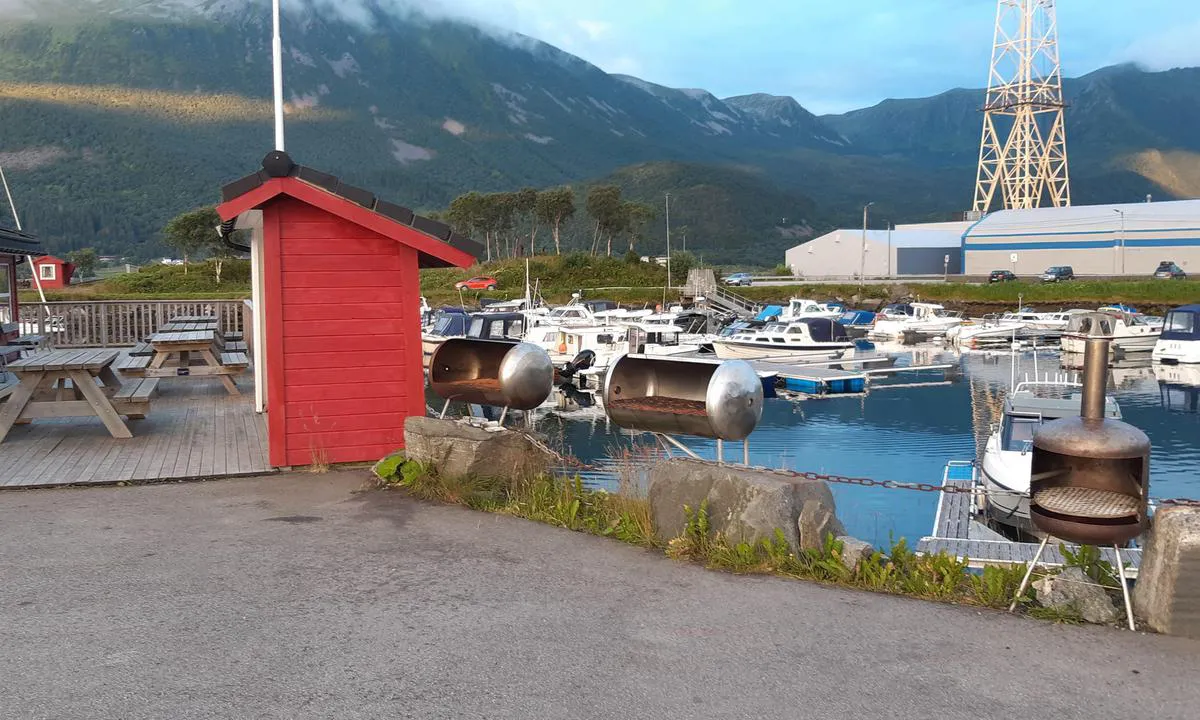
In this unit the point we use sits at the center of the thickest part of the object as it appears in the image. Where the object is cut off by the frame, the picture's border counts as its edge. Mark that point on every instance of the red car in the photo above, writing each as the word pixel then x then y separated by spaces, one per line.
pixel 477 283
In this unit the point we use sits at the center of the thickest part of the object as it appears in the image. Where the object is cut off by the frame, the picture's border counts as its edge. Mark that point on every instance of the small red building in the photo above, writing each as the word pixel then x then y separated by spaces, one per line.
pixel 52 273
pixel 338 307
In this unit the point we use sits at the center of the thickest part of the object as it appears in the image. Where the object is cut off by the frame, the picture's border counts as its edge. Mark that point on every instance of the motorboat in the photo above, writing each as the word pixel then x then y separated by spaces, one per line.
pixel 448 322
pixel 1153 321
pixel 1129 333
pixel 805 338
pixel 857 322
pixel 1180 338
pixel 925 319
pixel 1007 456
pixel 498 326
pixel 991 330
pixel 800 308
pixel 1044 322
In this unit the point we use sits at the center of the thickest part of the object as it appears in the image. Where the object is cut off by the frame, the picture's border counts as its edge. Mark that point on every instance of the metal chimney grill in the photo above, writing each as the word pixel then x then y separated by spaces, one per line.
pixel 1090 474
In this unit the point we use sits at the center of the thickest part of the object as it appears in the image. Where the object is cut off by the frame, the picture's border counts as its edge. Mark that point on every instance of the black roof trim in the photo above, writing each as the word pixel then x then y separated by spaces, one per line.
pixel 15 242
pixel 276 162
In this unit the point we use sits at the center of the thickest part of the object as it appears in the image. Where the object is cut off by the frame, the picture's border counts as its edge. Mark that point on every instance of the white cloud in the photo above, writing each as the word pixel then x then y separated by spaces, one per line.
pixel 1175 47
pixel 595 29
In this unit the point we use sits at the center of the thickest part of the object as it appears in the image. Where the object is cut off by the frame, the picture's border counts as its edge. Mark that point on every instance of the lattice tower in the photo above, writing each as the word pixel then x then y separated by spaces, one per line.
pixel 1023 154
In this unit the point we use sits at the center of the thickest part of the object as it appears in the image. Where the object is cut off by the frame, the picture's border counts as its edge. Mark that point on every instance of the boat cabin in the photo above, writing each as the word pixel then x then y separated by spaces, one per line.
pixel 801 307
pixel 640 335
pixel 497 326
pixel 570 314
pixel 450 322
pixel 1183 324
pixel 1094 324
pixel 1025 412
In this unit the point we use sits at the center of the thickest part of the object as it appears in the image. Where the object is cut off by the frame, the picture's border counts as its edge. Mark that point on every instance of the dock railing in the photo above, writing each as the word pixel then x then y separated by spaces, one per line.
pixel 115 323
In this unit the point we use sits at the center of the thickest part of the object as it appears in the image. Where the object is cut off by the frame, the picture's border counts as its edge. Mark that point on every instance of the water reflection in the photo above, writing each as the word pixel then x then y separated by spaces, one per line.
pixel 908 433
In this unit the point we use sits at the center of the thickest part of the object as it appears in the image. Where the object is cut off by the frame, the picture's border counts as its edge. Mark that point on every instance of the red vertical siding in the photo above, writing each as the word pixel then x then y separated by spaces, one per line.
pixel 344 367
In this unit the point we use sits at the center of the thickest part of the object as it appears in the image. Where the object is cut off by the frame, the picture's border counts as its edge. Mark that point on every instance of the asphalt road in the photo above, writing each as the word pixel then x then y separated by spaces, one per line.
pixel 300 597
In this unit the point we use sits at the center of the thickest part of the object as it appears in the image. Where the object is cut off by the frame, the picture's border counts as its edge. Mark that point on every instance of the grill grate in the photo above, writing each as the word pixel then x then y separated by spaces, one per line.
pixel 480 385
pixel 674 406
pixel 1087 502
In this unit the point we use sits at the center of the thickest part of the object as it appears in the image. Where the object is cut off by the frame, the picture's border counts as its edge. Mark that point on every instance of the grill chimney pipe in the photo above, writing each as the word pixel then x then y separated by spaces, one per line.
pixel 1095 379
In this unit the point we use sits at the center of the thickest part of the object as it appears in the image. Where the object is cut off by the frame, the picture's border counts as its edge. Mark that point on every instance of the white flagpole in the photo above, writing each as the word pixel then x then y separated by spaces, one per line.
pixel 277 62
pixel 17 219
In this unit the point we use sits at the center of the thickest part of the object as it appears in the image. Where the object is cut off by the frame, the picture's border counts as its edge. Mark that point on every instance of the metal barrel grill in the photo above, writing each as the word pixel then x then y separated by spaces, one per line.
pixel 502 373
pixel 706 398
pixel 1090 475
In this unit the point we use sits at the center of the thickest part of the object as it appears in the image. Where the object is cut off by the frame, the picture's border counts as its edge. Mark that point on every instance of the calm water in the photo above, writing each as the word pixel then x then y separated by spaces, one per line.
pixel 908 434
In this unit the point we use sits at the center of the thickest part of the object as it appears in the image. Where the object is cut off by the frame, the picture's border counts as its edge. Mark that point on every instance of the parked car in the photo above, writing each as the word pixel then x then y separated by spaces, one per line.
pixel 1168 270
pixel 1058 273
pixel 482 282
pixel 1001 276
pixel 739 279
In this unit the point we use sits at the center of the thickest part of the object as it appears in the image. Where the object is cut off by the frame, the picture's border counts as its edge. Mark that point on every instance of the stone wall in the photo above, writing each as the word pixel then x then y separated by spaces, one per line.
pixel 1167 594
pixel 744 504
pixel 456 449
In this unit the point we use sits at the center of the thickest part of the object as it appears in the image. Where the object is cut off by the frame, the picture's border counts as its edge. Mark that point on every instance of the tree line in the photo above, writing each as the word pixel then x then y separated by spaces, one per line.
pixel 508 223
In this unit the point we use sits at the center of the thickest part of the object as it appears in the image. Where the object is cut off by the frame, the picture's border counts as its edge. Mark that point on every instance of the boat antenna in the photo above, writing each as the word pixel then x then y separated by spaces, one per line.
pixel 277 66
pixel 17 219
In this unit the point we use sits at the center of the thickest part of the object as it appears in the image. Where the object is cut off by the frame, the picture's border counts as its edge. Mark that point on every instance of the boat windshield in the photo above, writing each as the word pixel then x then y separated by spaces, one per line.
pixel 1018 432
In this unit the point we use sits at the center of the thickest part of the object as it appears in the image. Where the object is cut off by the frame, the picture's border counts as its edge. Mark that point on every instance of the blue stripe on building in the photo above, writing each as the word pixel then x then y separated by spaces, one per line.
pixel 1114 231
pixel 1082 245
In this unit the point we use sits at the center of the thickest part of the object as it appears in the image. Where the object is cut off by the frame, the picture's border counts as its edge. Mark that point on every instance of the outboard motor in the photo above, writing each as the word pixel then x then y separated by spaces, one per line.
pixel 583 361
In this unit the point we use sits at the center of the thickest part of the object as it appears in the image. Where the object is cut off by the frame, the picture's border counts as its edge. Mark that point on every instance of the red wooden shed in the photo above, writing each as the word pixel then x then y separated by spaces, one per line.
pixel 54 273
pixel 338 312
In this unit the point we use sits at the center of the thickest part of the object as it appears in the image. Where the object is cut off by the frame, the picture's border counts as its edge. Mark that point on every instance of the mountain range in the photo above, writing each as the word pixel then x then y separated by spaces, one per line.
pixel 117 114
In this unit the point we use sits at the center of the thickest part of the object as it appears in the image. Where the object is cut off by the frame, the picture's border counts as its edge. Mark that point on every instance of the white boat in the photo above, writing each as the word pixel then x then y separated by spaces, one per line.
pixel 1179 342
pixel 800 308
pixel 806 338
pixel 1128 332
pixel 1007 457
pixel 989 331
pixel 1041 321
pixel 921 318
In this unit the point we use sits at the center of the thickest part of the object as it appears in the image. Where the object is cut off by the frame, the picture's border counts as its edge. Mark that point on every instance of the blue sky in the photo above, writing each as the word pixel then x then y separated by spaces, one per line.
pixel 832 55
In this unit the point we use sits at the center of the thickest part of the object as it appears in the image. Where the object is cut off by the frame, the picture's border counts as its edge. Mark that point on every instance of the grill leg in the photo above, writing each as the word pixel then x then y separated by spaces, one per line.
pixel 720 452
pixel 1125 588
pixel 503 414
pixel 746 452
pixel 444 409
pixel 1029 573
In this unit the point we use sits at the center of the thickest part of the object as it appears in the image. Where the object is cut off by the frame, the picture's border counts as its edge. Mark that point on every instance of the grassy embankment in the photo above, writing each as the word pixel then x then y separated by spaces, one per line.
pixel 638 283
pixel 626 516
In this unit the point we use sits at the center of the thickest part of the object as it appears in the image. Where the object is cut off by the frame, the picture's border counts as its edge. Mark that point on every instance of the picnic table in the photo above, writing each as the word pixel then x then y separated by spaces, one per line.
pixel 74 383
pixel 198 348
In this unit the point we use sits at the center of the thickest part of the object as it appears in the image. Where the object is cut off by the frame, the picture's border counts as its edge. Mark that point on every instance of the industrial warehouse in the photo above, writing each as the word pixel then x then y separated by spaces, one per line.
pixel 1097 240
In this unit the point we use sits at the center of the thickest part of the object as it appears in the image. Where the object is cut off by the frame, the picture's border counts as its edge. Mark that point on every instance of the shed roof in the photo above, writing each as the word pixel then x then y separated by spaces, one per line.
pixel 15 242
pixel 437 244
pixel 1083 219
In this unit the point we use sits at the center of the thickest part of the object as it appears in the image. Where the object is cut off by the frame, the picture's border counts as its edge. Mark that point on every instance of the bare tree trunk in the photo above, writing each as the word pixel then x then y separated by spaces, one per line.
pixel 608 250
pixel 533 239
pixel 596 237
pixel 557 247
pixel 219 263
pixel 185 263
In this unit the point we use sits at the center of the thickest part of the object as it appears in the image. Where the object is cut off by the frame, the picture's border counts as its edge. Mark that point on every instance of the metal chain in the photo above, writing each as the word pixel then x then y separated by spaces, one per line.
pixel 844 480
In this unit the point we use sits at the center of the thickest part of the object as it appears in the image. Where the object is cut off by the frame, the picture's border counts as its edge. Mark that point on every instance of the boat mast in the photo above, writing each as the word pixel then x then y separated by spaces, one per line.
pixel 17 219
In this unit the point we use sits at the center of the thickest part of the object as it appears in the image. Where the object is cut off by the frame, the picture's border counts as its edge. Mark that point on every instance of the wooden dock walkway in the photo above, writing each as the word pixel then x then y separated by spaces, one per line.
pixel 957 533
pixel 194 430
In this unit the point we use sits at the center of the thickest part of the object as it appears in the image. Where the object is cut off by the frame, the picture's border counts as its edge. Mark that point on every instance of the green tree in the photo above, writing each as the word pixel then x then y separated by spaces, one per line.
pixel 192 232
pixel 554 207
pixel 635 217
pixel 605 207
pixel 84 261
pixel 524 206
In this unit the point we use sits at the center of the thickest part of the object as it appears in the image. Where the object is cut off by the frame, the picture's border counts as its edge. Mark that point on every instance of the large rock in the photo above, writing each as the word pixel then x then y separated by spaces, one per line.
pixel 1167 595
pixel 456 449
pixel 1073 589
pixel 743 504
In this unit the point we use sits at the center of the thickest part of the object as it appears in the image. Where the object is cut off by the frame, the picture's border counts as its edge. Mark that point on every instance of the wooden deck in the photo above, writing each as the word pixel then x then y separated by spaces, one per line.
pixel 195 430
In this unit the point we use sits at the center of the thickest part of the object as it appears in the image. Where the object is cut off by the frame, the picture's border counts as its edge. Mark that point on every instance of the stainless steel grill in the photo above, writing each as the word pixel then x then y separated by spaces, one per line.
pixel 501 373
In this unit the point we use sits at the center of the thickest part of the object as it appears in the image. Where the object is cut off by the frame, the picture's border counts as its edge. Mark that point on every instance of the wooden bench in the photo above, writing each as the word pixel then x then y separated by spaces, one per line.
pixel 133 399
pixel 235 336
pixel 8 383
pixel 235 359
pixel 134 365
pixel 142 349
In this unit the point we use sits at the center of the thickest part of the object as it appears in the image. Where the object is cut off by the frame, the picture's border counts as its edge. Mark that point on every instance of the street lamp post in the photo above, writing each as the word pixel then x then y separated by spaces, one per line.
pixel 862 258
pixel 1122 214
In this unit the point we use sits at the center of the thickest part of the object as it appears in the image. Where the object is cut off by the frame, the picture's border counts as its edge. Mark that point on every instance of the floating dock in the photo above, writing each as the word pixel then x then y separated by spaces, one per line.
pixel 820 379
pixel 957 533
